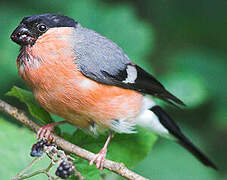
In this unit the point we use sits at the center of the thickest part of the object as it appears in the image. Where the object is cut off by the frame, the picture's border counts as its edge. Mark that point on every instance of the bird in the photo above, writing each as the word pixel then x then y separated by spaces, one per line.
pixel 89 81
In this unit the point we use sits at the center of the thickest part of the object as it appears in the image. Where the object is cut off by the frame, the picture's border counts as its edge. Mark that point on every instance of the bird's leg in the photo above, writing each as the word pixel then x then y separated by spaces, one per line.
pixel 45 132
pixel 101 156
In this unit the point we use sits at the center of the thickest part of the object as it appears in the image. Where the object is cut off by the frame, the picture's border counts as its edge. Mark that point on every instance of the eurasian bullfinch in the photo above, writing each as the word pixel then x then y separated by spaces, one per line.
pixel 88 80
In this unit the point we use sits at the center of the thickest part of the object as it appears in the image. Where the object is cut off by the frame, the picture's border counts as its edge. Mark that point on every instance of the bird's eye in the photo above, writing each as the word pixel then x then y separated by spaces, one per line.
pixel 42 28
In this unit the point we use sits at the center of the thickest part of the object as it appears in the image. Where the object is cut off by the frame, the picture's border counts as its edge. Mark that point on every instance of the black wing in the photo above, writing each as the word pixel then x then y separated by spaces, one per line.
pixel 144 83
pixel 102 60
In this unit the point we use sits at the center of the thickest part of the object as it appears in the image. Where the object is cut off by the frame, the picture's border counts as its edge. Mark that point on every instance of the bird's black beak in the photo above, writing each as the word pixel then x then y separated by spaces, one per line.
pixel 22 36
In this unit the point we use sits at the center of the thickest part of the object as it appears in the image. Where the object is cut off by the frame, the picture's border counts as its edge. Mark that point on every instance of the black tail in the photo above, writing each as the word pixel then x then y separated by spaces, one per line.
pixel 173 128
pixel 170 98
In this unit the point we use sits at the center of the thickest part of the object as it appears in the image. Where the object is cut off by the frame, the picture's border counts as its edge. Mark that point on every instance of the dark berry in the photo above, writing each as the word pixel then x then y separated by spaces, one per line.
pixel 70 170
pixel 64 176
pixel 60 168
pixel 64 163
pixel 67 166
pixel 57 173
pixel 64 170
pixel 37 148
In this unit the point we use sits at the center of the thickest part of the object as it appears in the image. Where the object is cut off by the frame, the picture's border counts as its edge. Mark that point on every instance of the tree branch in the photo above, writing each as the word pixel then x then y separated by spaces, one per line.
pixel 116 167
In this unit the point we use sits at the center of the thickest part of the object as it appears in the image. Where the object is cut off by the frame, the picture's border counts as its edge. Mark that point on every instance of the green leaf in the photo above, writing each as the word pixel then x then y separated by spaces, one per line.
pixel 89 172
pixel 34 108
pixel 126 148
pixel 169 160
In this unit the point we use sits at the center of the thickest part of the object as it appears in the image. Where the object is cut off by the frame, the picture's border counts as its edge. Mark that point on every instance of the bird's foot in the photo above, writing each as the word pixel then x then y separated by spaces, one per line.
pixel 101 156
pixel 99 159
pixel 45 132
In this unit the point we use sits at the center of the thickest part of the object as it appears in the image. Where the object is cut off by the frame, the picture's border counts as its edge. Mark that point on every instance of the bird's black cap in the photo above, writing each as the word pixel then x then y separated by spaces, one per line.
pixel 51 20
pixel 31 27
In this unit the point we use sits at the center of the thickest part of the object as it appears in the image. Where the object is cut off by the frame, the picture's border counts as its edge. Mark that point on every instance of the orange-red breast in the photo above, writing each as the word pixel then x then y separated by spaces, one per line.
pixel 87 79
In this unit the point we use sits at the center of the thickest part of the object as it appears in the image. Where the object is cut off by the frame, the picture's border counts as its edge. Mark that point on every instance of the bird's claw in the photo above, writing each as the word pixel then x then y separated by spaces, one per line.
pixel 45 132
pixel 99 159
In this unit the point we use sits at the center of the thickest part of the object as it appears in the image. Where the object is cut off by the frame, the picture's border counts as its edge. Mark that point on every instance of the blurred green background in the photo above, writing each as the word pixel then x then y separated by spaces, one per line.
pixel 183 43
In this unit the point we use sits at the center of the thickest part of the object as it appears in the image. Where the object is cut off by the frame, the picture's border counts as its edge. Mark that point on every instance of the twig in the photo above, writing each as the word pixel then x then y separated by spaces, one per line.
pixel 56 156
pixel 22 174
pixel 116 167
pixel 44 171
pixel 34 161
